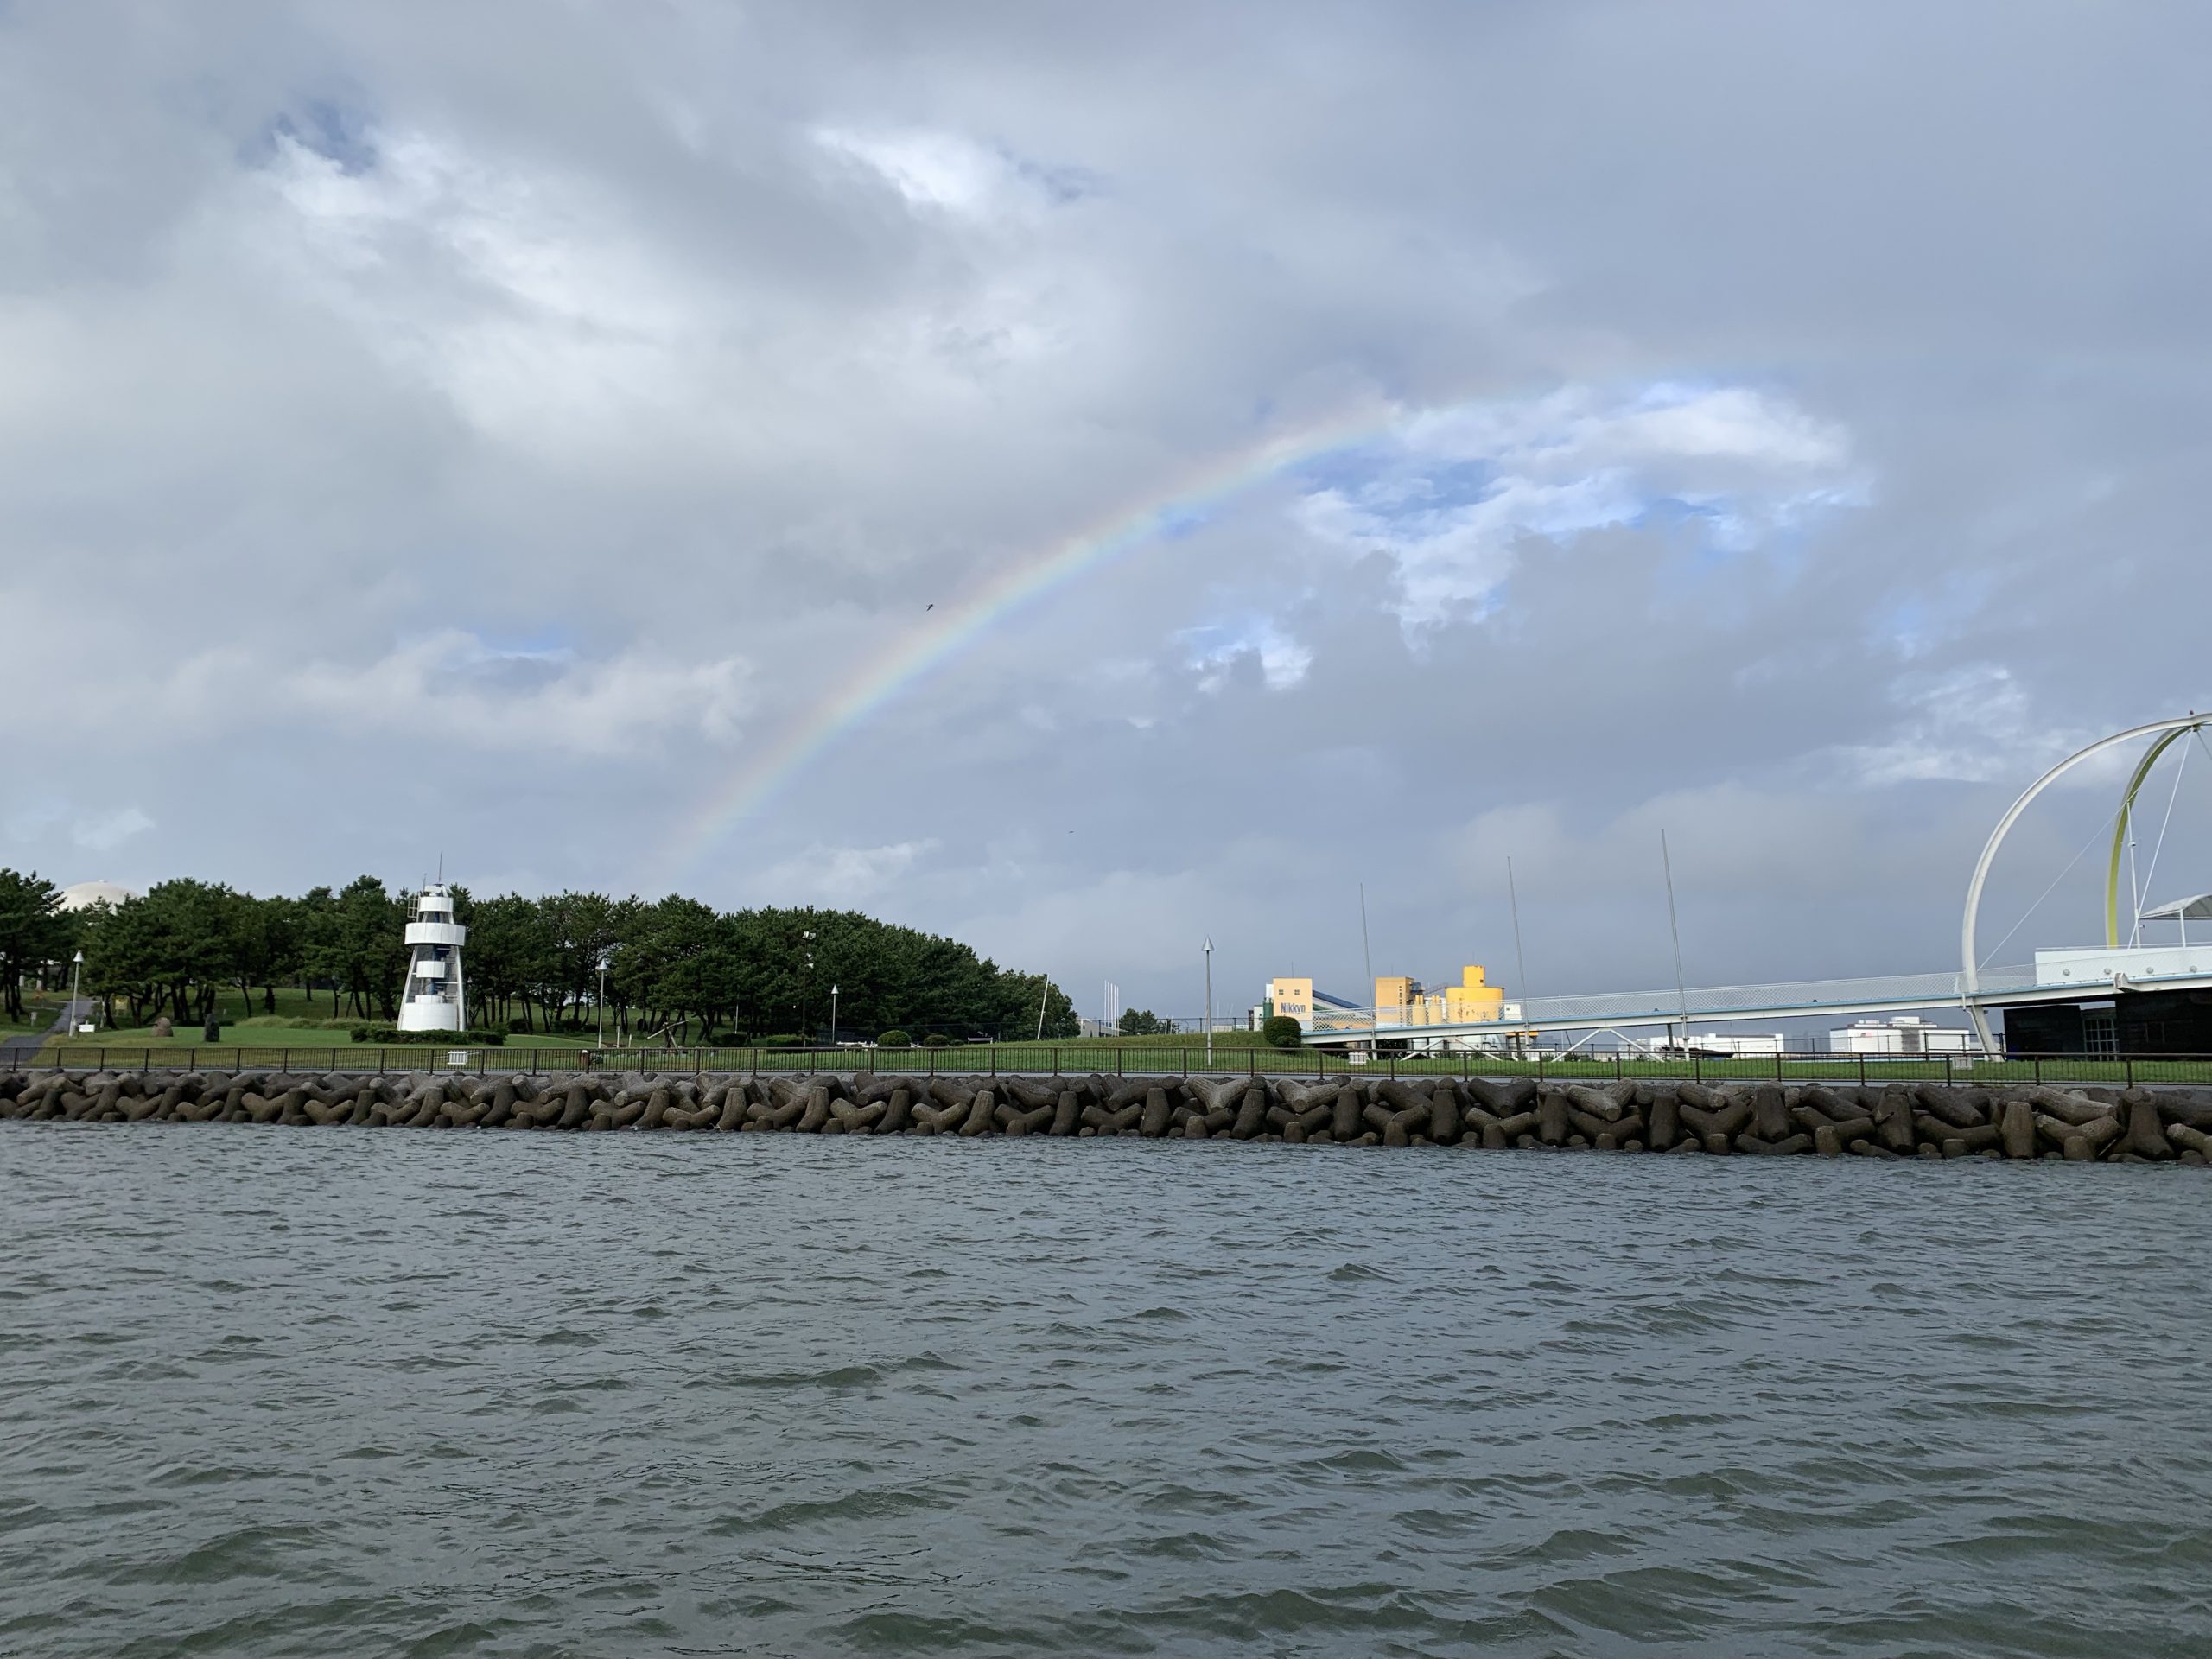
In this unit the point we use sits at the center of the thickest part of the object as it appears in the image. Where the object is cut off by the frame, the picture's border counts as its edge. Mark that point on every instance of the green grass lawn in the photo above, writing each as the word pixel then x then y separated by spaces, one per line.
pixel 303 1021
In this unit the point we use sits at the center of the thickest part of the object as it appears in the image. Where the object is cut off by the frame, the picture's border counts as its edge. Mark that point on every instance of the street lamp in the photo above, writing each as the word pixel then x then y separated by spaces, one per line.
pixel 602 999
pixel 1209 951
pixel 806 981
pixel 76 975
pixel 833 1016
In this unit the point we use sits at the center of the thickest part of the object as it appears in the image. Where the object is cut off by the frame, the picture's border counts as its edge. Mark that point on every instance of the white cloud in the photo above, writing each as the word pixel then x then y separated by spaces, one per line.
pixel 1214 649
pixel 451 687
pixel 526 297
pixel 1453 491
pixel 933 169
pixel 838 876
pixel 1972 724
pixel 104 831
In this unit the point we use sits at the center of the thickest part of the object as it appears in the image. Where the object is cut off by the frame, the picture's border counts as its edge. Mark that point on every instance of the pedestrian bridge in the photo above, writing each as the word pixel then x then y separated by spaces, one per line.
pixel 1788 1000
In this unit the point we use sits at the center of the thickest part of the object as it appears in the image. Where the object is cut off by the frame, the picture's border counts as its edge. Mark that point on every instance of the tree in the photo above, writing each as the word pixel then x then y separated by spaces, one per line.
pixel 265 945
pixel 511 950
pixel 183 945
pixel 1280 1031
pixel 34 930
pixel 1140 1022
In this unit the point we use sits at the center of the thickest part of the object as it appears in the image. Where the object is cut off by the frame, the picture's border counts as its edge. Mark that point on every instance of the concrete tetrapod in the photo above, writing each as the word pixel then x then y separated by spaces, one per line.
pixel 1921 1120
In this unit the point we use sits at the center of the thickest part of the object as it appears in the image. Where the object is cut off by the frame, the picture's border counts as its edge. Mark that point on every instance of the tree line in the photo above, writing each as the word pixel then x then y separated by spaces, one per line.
pixel 674 967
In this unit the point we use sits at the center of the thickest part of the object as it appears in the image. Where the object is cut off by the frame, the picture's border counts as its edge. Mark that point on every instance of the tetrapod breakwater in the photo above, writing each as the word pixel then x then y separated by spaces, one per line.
pixel 1896 1119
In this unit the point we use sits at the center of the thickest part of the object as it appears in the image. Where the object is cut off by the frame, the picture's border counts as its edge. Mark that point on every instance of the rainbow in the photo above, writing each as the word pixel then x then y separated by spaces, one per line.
pixel 956 628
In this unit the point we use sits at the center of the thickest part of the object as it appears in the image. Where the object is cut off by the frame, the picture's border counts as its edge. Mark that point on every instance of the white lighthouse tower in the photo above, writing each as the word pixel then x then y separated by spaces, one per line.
pixel 436 997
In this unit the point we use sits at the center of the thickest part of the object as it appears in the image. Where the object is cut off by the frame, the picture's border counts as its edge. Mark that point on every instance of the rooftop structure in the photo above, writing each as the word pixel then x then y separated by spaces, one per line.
pixel 1906 1035
pixel 86 894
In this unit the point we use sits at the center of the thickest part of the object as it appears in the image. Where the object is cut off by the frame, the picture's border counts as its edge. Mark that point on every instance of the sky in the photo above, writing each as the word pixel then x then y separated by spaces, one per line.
pixel 1091 479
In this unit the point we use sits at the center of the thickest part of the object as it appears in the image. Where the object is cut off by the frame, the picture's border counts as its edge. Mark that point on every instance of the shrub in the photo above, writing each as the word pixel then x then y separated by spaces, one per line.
pixel 390 1037
pixel 937 1039
pixel 1280 1031
pixel 780 1040
pixel 894 1039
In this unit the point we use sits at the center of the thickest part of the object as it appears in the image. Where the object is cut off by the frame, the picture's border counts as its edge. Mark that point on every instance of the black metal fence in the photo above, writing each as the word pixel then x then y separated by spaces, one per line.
pixel 1138 1060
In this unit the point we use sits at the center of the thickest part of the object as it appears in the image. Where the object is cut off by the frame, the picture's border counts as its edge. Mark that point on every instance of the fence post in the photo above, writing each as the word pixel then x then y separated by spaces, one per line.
pixel 1186 1065
pixel 1777 1065
pixel 1540 1065
pixel 2038 1064
pixel 1056 1059
pixel 2130 1063
pixel 1617 1066
pixel 932 1054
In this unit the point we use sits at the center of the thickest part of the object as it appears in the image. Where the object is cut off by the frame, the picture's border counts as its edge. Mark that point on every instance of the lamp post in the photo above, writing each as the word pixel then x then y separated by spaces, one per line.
pixel 1209 951
pixel 76 976
pixel 833 1016
pixel 602 999
pixel 806 983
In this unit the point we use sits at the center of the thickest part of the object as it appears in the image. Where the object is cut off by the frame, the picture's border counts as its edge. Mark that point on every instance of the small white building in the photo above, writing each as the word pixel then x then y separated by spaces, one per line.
pixel 1713 1044
pixel 436 997
pixel 1906 1035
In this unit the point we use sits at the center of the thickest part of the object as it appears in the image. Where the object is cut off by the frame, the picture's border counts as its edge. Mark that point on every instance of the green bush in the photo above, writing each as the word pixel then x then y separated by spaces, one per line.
pixel 1280 1031
pixel 780 1040
pixel 937 1039
pixel 390 1037
pixel 894 1039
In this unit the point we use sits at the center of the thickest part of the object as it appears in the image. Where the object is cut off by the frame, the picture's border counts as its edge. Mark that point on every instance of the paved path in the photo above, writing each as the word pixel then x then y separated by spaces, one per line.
pixel 16 1052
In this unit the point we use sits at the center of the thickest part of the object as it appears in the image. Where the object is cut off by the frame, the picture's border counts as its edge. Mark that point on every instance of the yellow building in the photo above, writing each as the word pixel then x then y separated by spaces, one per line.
pixel 1293 997
pixel 1400 999
pixel 1474 1000
pixel 1314 1010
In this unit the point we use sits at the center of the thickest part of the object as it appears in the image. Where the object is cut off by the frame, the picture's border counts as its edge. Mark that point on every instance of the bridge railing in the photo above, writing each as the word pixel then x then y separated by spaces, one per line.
pixel 1083 1058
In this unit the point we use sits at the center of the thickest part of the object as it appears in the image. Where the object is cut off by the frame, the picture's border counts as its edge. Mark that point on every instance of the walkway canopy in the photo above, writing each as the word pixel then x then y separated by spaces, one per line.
pixel 2198 909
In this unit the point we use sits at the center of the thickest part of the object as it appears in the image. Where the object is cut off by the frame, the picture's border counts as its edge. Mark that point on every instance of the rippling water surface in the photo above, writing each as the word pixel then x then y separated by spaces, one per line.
pixel 282 1391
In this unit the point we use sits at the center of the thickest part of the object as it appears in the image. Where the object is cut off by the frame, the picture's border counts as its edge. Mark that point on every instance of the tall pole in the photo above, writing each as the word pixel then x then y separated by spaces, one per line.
pixel 76 977
pixel 1366 955
pixel 833 1016
pixel 806 985
pixel 1520 961
pixel 602 1000
pixel 1209 949
pixel 1674 929
pixel 1041 997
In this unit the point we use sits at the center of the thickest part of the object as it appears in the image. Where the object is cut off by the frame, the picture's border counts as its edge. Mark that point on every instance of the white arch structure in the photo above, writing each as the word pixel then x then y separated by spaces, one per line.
pixel 1971 983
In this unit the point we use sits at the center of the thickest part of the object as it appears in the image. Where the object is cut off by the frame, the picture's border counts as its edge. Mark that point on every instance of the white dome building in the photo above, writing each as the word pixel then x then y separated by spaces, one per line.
pixel 436 997
pixel 86 894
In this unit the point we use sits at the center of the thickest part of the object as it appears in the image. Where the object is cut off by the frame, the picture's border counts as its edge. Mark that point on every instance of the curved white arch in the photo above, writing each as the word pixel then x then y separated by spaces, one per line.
pixel 1970 984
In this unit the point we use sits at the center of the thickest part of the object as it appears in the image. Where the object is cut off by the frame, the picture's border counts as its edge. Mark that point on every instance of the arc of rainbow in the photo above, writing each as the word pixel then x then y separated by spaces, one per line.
pixel 1022 582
